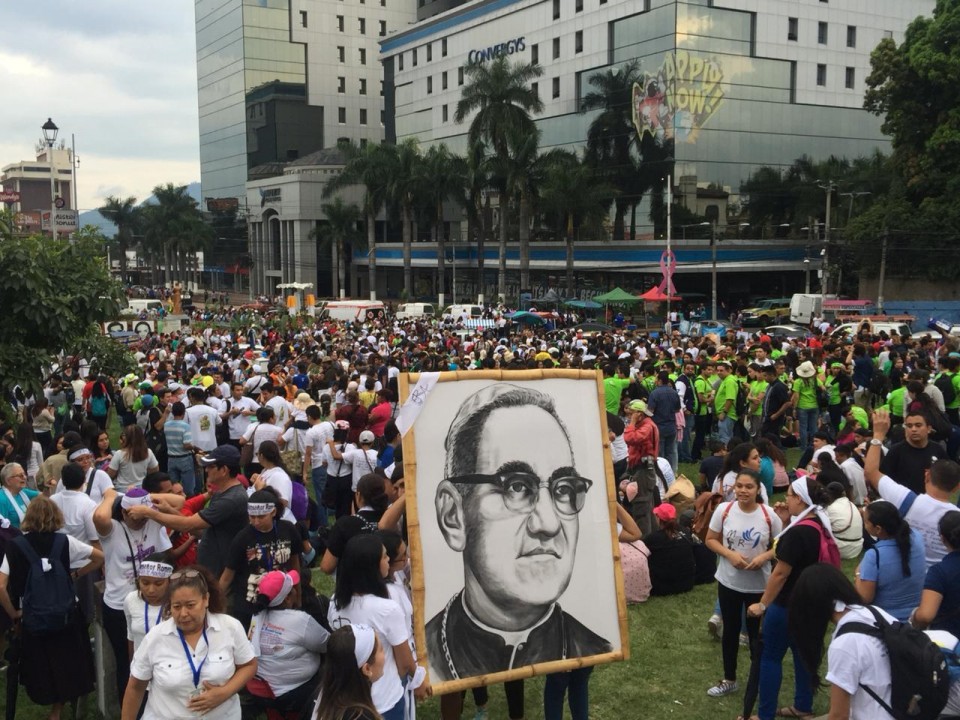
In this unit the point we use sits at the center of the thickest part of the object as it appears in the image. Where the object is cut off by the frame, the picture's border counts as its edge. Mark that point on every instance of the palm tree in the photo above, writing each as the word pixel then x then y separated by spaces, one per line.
pixel 125 214
pixel 572 195
pixel 405 184
pixel 340 229
pixel 612 136
pixel 447 174
pixel 371 166
pixel 499 93
pixel 478 182
pixel 173 227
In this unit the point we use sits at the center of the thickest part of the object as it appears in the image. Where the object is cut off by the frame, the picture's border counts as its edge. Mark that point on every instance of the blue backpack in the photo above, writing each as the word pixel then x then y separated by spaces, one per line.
pixel 98 405
pixel 48 597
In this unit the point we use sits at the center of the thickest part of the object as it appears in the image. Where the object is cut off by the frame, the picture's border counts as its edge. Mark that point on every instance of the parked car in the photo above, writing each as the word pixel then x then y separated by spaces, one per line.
pixel 774 309
pixel 787 331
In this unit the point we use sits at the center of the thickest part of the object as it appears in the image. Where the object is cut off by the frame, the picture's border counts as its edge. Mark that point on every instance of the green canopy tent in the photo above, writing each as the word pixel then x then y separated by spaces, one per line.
pixel 617 296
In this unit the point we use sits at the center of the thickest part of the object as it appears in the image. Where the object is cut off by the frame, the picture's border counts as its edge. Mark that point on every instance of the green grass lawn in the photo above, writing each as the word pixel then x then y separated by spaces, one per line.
pixel 673 661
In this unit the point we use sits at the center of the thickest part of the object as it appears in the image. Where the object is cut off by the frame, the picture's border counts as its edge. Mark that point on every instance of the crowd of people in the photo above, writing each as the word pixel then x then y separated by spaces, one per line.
pixel 247 457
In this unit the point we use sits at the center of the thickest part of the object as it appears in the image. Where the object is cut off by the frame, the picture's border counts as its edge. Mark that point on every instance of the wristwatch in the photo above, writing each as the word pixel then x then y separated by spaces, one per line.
pixel 876 443
pixel 763 608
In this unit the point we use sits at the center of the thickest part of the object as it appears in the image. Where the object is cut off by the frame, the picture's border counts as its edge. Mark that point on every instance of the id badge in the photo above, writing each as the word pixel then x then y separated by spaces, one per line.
pixel 196 693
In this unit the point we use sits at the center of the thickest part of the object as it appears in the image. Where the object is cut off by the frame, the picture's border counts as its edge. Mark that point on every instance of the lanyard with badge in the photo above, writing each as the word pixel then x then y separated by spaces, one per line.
pixel 146 617
pixel 194 668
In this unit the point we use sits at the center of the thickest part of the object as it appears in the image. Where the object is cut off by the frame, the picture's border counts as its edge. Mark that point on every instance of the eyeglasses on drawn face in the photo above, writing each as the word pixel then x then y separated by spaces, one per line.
pixel 521 490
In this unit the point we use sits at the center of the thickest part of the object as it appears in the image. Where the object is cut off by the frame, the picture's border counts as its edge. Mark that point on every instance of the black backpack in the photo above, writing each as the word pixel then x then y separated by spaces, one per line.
pixel 48 597
pixel 921 679
pixel 646 476
pixel 944 383
pixel 742 403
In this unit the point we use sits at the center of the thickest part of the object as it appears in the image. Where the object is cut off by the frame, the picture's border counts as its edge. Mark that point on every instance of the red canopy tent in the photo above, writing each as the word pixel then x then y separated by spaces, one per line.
pixel 655 294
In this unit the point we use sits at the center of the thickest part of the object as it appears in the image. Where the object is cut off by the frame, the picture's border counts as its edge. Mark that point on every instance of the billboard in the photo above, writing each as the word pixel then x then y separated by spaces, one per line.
pixel 66 220
pixel 677 100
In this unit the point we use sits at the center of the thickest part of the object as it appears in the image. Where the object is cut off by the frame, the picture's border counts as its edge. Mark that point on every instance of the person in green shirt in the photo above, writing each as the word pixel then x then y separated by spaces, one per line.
pixel 704 417
pixel 838 383
pixel 725 402
pixel 758 388
pixel 951 365
pixel 614 383
pixel 808 411
pixel 895 404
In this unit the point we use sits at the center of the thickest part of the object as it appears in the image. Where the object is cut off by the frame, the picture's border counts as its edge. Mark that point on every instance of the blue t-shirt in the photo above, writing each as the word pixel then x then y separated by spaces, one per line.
pixel 896 594
pixel 944 578
pixel 767 471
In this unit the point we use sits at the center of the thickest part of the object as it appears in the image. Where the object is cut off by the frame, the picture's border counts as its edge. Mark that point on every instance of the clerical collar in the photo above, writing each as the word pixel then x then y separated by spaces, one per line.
pixel 510 637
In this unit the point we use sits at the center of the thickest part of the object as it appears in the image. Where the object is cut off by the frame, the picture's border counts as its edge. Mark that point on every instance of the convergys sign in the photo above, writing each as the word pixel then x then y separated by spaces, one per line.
pixel 508 48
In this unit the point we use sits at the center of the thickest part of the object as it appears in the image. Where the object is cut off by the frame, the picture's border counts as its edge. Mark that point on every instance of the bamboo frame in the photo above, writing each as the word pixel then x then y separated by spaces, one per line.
pixel 418 586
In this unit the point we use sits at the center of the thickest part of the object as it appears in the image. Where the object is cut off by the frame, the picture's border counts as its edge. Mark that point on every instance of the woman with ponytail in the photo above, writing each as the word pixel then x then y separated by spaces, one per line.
pixel 355 660
pixel 288 643
pixel 940 601
pixel 797 548
pixel 891 573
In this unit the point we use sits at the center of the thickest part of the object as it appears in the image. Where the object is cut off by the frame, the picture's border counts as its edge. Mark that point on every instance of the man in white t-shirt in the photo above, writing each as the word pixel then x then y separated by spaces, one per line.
pixel 96 482
pixel 77 507
pixel 239 413
pixel 261 431
pixel 852 660
pixel 923 512
pixel 282 410
pixel 362 458
pixel 203 420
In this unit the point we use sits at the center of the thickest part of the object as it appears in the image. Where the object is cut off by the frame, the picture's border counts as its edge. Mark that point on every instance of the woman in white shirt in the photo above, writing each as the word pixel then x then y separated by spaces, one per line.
pixel 143 607
pixel 274 475
pixel 362 597
pixel 741 534
pixel 133 461
pixel 287 643
pixel 196 661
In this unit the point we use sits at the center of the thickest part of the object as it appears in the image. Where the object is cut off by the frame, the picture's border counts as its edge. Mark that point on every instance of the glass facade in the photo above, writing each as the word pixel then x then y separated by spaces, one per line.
pixel 244 60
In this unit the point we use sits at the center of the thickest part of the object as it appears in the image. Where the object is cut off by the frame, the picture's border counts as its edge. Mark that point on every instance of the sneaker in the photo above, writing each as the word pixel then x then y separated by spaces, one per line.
pixel 715 626
pixel 744 640
pixel 481 714
pixel 724 687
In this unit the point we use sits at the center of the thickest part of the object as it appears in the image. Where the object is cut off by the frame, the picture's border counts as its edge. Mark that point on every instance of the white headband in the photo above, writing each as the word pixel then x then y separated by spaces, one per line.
pixel 258 509
pixel 284 591
pixel 803 492
pixel 127 502
pixel 365 640
pixel 79 453
pixel 154 569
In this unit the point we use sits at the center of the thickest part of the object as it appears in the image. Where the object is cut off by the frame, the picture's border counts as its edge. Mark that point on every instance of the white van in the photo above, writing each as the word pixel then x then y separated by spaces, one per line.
pixel 135 306
pixel 353 310
pixel 413 311
pixel 458 312
pixel 875 327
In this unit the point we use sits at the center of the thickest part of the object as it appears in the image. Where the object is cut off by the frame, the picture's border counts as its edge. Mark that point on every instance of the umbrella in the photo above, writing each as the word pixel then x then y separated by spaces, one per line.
pixel 522 316
pixel 615 296
pixel 583 304
pixel 655 294
pixel 549 298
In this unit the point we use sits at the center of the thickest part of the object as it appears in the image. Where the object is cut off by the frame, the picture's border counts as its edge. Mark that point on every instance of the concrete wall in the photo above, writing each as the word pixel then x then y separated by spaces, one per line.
pixel 909 289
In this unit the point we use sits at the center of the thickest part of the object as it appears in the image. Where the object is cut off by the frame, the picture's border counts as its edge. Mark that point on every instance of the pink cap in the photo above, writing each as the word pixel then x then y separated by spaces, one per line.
pixel 665 512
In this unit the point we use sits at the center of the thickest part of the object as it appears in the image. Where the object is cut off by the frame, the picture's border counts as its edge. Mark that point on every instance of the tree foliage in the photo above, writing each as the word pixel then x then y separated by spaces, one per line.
pixel 53 295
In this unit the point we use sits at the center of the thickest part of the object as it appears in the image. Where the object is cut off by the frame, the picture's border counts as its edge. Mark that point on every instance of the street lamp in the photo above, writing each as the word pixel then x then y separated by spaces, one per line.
pixel 50 135
pixel 713 271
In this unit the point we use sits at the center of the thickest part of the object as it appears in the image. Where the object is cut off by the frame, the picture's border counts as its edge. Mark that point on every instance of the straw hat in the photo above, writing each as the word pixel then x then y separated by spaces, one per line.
pixel 806 369
pixel 303 401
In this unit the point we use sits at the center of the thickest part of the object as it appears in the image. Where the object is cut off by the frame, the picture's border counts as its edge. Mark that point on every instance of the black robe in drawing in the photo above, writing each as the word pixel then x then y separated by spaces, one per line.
pixel 475 651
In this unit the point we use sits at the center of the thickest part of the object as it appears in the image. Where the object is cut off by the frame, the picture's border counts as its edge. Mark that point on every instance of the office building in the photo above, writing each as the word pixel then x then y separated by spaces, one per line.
pixel 30 180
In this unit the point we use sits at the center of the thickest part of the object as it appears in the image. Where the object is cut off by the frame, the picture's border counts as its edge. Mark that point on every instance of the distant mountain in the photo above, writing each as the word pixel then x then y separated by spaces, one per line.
pixel 93 217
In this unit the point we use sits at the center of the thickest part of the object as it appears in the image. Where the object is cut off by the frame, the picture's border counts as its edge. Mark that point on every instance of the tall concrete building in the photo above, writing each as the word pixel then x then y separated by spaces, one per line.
pixel 31 180
pixel 280 79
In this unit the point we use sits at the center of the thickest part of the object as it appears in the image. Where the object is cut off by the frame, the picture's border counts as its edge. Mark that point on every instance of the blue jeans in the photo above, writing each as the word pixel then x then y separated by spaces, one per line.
pixel 668 449
pixel 808 426
pixel 318 476
pixel 684 449
pixel 725 429
pixel 775 644
pixel 397 712
pixel 575 684
pixel 181 470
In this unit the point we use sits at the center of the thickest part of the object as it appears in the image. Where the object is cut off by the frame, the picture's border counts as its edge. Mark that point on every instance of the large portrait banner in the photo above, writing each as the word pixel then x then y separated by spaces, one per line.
pixel 511 512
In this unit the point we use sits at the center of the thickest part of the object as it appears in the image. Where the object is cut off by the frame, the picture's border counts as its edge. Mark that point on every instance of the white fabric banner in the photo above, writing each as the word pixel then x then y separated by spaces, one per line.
pixel 410 410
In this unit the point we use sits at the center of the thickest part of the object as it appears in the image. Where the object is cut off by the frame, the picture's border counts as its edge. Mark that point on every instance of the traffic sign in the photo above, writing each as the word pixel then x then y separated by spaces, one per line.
pixel 9 196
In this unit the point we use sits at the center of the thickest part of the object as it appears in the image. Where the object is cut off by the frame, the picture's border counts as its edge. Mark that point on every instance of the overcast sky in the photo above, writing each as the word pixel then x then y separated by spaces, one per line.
pixel 120 75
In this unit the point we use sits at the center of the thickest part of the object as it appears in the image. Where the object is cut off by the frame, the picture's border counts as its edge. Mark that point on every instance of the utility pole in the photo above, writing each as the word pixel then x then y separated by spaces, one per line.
pixel 883 269
pixel 669 232
pixel 713 271
pixel 825 284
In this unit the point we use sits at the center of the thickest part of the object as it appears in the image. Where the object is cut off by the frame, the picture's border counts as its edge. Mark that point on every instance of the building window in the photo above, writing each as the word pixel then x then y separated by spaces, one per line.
pixel 400 58
pixel 850 78
pixel 556 9
pixel 429 52
pixel 341 53
pixel 792 29
pixel 443 80
pixel 556 48
pixel 460 76
pixel 363 25
pixel 821 75
pixel 822 33
pixel 363 56
pixel 888 34
pixel 383 116
pixel 340 23
pixel 363 116
pixel 429 84
pixel 363 143
pixel 851 36
pixel 383 3
pixel 535 87
pixel 363 86
pixel 381 88
pixel 413 54
pixel 556 87
pixel 341 115
pixel 445 114
pixel 578 41
pixel 603 2
pixel 578 6
pixel 383 28
pixel 303 18
pixel 443 47
pixel 341 84
pixel 535 54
